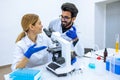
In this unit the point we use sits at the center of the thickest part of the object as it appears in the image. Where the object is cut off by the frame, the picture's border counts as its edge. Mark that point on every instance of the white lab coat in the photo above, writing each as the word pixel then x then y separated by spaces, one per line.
pixel 56 26
pixel 38 58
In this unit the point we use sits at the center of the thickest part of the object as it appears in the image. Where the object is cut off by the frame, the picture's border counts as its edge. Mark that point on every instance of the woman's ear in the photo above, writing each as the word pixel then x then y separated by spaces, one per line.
pixel 31 26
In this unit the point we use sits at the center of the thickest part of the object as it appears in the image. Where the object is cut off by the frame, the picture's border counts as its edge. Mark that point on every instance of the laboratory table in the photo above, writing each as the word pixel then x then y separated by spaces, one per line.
pixel 86 73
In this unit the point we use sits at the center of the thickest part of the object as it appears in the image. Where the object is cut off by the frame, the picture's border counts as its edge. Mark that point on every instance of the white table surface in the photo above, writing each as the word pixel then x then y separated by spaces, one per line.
pixel 99 73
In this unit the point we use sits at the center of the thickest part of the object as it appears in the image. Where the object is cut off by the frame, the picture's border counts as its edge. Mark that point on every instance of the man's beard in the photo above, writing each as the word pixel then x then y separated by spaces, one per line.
pixel 66 24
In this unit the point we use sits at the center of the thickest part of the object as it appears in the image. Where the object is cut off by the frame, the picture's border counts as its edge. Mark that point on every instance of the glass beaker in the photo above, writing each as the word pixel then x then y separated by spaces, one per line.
pixel 92 60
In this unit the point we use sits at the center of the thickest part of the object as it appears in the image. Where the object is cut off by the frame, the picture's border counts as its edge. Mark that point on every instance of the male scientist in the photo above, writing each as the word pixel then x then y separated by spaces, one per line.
pixel 65 25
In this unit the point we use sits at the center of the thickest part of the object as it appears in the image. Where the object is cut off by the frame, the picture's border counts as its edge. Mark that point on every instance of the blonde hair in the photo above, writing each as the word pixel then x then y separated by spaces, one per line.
pixel 27 19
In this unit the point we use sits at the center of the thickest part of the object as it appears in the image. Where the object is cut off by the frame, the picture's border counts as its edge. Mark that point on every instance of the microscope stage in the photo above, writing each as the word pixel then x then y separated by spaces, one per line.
pixel 53 66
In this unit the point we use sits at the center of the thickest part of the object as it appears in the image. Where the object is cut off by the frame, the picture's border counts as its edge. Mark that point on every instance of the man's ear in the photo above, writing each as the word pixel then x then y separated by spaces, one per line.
pixel 73 19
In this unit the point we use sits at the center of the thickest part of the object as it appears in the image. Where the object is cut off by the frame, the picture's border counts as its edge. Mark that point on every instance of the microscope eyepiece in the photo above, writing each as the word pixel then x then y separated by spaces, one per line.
pixel 47 32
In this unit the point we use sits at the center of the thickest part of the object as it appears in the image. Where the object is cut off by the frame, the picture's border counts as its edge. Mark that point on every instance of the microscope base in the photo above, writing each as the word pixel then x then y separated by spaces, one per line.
pixel 58 69
pixel 59 75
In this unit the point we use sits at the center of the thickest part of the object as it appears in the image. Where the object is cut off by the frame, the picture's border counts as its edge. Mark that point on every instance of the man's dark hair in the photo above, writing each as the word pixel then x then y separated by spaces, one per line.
pixel 70 7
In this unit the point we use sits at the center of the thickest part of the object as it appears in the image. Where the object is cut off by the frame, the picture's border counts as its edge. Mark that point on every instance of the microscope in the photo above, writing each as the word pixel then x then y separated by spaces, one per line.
pixel 60 65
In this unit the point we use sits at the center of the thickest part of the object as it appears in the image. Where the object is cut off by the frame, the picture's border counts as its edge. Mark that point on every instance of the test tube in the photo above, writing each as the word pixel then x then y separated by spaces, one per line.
pixel 117 43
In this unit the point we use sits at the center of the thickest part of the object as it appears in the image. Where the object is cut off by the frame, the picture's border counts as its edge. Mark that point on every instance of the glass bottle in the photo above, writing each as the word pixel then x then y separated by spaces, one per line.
pixel 105 54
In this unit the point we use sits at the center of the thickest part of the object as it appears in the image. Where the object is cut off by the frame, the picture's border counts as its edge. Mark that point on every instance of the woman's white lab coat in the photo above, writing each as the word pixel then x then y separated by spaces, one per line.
pixel 37 58
pixel 56 26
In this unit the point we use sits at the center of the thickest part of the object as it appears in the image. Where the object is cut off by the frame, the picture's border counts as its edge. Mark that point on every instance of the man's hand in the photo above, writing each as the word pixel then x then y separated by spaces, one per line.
pixel 32 50
pixel 72 33
pixel 73 60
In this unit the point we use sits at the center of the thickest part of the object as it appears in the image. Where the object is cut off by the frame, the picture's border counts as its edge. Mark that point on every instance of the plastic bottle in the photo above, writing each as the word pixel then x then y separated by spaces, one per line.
pixel 105 54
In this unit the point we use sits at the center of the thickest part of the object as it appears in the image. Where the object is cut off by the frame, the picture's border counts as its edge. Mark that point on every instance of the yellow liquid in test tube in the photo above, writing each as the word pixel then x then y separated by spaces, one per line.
pixel 117 47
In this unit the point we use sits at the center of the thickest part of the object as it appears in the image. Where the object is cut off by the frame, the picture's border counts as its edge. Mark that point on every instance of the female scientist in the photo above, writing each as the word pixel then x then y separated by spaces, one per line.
pixel 30 49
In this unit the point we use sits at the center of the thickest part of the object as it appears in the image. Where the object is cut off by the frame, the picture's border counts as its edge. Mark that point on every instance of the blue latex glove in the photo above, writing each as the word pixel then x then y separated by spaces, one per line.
pixel 73 60
pixel 72 33
pixel 32 50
